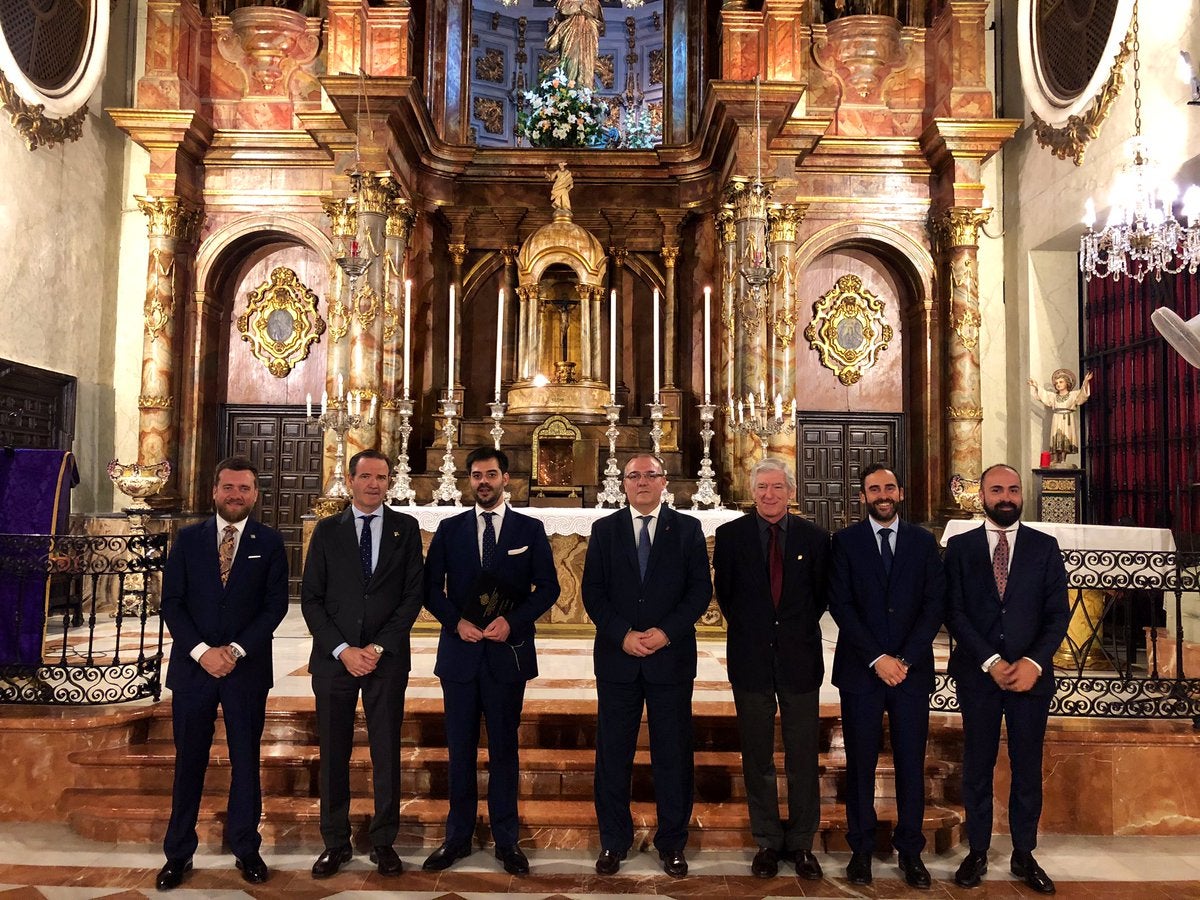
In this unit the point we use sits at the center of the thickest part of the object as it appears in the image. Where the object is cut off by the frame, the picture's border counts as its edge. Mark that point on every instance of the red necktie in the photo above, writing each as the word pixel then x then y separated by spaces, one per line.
pixel 775 564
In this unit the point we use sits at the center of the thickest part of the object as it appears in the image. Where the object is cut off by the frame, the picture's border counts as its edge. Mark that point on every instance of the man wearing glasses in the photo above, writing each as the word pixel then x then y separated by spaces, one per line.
pixel 645 583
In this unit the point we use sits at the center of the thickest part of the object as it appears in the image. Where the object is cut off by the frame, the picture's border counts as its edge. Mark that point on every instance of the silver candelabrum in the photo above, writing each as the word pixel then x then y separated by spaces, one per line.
pixel 340 416
pixel 447 493
pixel 761 421
pixel 706 493
pixel 401 492
pixel 497 431
pixel 612 495
pixel 656 433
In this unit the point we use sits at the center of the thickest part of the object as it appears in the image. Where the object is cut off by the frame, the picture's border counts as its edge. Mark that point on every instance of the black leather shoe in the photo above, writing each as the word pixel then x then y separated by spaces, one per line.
pixel 253 869
pixel 674 864
pixel 514 860
pixel 170 876
pixel 445 856
pixel 915 873
pixel 807 866
pixel 1025 867
pixel 386 860
pixel 608 862
pixel 766 863
pixel 859 870
pixel 970 873
pixel 331 860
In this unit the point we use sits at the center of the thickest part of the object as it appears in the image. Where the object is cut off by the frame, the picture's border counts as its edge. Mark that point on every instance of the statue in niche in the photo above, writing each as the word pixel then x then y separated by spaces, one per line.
pixel 575 36
pixel 561 182
pixel 1064 400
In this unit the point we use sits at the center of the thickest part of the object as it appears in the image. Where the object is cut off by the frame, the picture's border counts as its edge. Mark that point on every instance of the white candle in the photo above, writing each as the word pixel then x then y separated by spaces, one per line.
pixel 340 392
pixel 407 330
pixel 374 401
pixel 656 345
pixel 752 404
pixel 612 347
pixel 778 408
pixel 707 346
pixel 499 339
pixel 324 402
pixel 793 409
pixel 450 358
pixel 762 391
pixel 308 404
pixel 741 410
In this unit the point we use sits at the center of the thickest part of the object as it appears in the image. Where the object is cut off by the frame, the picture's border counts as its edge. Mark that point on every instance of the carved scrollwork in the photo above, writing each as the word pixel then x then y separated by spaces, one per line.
pixel 160 295
pixel 605 64
pixel 848 329
pixel 657 66
pixel 365 305
pixel 281 321
pixel 489 66
pixel 31 122
pixel 966 325
pixel 966 413
pixel 490 112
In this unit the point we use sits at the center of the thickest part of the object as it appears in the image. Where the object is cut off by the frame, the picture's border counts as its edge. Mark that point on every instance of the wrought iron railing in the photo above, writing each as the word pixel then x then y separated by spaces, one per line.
pixel 1112 664
pixel 99 638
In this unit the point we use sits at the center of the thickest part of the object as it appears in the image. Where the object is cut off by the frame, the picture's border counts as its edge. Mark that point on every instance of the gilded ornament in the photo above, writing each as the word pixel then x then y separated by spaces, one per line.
pixel 966 326
pixel 782 220
pixel 339 320
pixel 31 122
pixel 962 274
pixel 401 219
pixel 726 226
pixel 959 226
pixel 160 302
pixel 556 429
pixel 657 67
pixel 324 507
pixel 343 216
pixel 604 71
pixel 670 255
pixel 966 413
pixel 848 329
pixel 281 321
pixel 364 305
pixel 490 112
pixel 1058 486
pixel 965 492
pixel 148 401
pixel 373 192
pixel 489 66
pixel 171 217
pixel 458 253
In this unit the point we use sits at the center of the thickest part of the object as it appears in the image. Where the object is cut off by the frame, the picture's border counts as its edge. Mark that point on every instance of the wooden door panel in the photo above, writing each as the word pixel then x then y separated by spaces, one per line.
pixel 832 449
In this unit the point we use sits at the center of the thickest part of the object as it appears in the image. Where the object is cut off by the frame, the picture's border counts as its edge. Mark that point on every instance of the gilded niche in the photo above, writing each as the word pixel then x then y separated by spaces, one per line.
pixel 848 329
pixel 281 321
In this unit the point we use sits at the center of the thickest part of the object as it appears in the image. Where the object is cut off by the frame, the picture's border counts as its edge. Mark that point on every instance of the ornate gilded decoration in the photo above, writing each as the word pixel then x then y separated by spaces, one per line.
pixel 401 219
pixel 324 507
pixel 1059 486
pixel 656 114
pixel 364 305
pixel 160 300
pixel 959 226
pixel 966 413
pixel 657 67
pixel 171 217
pixel 726 226
pixel 343 217
pixel 147 401
pixel 670 255
pixel 490 112
pixel 1072 138
pixel 458 253
pixel 604 71
pixel 782 219
pixel 31 122
pixel 281 321
pixel 965 492
pixel 339 320
pixel 546 64
pixel 557 429
pixel 848 329
pixel 489 66
pixel 391 315
pixel 966 326
pixel 373 192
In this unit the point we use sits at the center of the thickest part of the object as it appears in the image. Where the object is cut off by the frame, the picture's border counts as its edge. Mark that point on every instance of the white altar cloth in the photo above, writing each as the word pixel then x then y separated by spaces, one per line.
pixel 564 521
pixel 1085 537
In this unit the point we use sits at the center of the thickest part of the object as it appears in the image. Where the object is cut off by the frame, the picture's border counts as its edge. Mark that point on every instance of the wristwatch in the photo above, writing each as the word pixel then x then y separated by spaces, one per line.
pixel 236 651
pixel 378 648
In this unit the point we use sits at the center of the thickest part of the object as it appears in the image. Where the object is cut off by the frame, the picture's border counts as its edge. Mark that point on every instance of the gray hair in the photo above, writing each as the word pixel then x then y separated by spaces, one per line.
pixel 772 464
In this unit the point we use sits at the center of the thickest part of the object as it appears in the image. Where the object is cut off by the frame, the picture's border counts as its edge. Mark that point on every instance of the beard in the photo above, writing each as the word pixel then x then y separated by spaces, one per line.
pixel 874 507
pixel 233 514
pixel 487 497
pixel 1004 513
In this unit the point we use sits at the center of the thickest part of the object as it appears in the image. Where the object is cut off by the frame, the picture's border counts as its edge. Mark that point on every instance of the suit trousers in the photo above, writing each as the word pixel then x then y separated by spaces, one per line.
pixel 193 720
pixel 500 705
pixel 383 704
pixel 800 724
pixel 669 717
pixel 908 732
pixel 1024 718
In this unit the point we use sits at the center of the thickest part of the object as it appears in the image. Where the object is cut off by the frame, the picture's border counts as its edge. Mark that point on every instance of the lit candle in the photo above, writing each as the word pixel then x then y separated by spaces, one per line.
pixel 407 330
pixel 762 390
pixel 371 416
pixel 752 404
pixel 778 408
pixel 707 347
pixel 499 339
pixel 450 359
pixel 308 405
pixel 793 409
pixel 656 345
pixel 324 402
pixel 612 347
pixel 741 410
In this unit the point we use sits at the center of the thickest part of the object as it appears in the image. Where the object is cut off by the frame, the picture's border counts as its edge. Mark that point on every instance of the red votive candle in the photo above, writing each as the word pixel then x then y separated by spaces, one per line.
pixel 1045 464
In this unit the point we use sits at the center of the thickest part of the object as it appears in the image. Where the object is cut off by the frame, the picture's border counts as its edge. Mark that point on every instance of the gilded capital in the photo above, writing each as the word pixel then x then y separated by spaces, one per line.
pixel 171 217
pixel 401 219
pixel 619 254
pixel 959 226
pixel 510 255
pixel 726 226
pixel 373 192
pixel 782 220
pixel 458 253
pixel 669 255
pixel 343 217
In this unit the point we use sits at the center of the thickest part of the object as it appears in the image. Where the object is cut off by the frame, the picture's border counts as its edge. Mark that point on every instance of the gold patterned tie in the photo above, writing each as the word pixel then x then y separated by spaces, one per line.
pixel 225 551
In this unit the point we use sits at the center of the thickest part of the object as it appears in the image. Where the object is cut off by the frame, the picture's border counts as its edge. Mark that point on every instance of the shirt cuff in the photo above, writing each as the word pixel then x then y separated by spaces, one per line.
pixel 1035 662
pixel 876 659
pixel 199 650
pixel 239 648
pixel 987 663
pixel 337 651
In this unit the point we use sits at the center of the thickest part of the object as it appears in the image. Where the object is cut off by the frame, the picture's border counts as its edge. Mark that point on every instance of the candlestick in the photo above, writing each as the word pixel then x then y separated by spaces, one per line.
pixel 447 493
pixel 612 347
pixel 401 492
pixel 656 347
pixel 612 496
pixel 407 331
pixel 497 431
pixel 339 420
pixel 656 433
pixel 450 356
pixel 707 346
pixel 706 494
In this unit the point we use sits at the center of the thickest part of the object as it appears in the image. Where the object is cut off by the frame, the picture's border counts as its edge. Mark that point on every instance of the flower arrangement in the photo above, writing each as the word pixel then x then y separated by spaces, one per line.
pixel 558 113
pixel 640 131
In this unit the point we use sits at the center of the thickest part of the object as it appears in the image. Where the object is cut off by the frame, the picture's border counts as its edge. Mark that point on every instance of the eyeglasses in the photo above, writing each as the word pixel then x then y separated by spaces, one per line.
pixel 642 476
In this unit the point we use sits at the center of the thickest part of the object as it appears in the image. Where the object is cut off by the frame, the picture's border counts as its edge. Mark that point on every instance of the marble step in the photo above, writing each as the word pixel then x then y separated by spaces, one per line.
pixel 293 822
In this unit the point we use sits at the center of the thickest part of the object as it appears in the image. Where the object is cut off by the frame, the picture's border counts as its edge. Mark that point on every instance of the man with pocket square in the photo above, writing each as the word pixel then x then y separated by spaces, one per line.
pixel 486 652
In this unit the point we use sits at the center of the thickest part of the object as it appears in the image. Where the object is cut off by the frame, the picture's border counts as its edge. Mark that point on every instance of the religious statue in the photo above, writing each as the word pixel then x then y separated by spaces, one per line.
pixel 575 36
pixel 561 182
pixel 1064 400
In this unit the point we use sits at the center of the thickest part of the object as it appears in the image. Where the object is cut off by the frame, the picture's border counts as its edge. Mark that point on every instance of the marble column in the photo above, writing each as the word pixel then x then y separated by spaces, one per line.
pixel 530 327
pixel 400 219
pixel 620 257
pixel 510 365
pixel 173 224
pixel 597 305
pixel 458 255
pixel 782 221
pixel 343 218
pixel 957 239
pixel 670 317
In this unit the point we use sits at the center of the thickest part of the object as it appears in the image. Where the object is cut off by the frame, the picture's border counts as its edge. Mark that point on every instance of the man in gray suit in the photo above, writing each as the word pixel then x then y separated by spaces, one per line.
pixel 360 596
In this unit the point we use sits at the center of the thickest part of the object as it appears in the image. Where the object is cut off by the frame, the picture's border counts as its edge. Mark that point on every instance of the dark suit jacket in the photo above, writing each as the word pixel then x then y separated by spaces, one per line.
pixel 245 611
pixel 1031 621
pixel 876 613
pixel 756 632
pixel 523 563
pixel 674 595
pixel 339 607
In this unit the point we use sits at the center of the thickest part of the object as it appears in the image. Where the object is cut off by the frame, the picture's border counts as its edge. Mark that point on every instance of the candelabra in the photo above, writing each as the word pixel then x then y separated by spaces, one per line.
pixel 497 431
pixel 447 493
pixel 656 432
pixel 401 492
pixel 760 421
pixel 339 417
pixel 612 495
pixel 706 494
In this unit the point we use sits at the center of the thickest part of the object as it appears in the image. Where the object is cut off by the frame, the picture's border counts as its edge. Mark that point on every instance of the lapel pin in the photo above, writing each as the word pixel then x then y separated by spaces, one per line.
pixel 253 535
pixel 799 556
pixel 395 534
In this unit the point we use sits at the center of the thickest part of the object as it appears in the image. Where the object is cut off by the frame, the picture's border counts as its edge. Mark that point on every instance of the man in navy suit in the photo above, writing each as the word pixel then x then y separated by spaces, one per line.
pixel 360 596
pixel 1008 613
pixel 771 569
pixel 224 592
pixel 484 669
pixel 645 583
pixel 887 594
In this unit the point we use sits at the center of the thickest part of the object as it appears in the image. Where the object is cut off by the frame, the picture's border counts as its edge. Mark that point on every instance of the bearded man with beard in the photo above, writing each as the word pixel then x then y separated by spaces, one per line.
pixel 887 595
pixel 1008 613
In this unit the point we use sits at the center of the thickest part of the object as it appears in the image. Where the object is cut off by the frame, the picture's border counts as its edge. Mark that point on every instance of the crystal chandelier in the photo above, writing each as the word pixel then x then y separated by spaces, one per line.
pixel 1142 235
pixel 756 267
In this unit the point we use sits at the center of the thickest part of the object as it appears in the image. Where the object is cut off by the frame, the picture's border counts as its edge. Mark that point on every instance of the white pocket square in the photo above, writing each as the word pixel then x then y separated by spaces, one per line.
pixel 518 551
pixel 258 556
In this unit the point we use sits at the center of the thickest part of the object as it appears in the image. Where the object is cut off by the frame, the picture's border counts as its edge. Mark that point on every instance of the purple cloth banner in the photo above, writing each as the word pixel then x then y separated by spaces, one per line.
pixel 35 498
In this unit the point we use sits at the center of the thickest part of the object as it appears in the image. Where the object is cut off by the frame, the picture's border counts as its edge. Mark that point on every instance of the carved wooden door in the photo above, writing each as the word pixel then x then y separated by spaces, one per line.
pixel 832 449
pixel 288 456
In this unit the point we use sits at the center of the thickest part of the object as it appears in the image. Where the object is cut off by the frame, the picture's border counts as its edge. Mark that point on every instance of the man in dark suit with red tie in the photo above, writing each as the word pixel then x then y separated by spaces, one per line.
pixel 360 596
pixel 1007 611
pixel 224 592
pixel 645 583
pixel 887 594
pixel 770 569
pixel 484 660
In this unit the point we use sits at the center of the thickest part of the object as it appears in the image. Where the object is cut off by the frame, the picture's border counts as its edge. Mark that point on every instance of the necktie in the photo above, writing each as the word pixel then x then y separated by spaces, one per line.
pixel 489 540
pixel 644 544
pixel 1000 563
pixel 775 564
pixel 225 551
pixel 364 547
pixel 885 549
